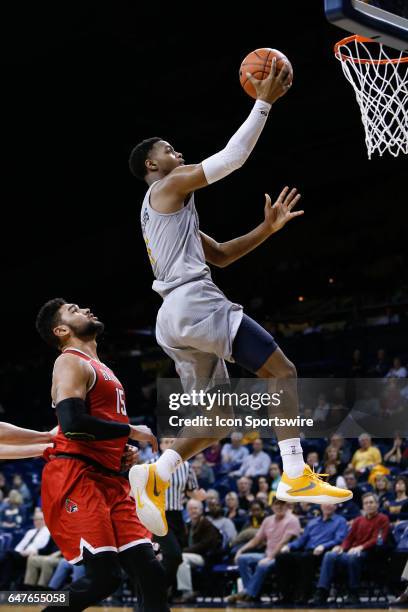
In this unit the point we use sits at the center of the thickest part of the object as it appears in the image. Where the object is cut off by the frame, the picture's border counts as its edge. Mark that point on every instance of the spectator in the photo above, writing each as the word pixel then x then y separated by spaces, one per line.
pixel 357 368
pixel 352 485
pixel 212 454
pixel 397 370
pixel 63 572
pixel 322 409
pixel 343 446
pixel 262 485
pixel 255 517
pixel 365 531
pixel 380 367
pixel 204 473
pixel 275 531
pixel 20 486
pixel 394 506
pixel 41 567
pixel 245 496
pixel 306 512
pixel 299 560
pixel 275 476
pixel 367 456
pixel 233 453
pixel 222 523
pixel 12 515
pixel 394 456
pixel 233 511
pixel 203 538
pixel 255 464
pixel 382 489
pixel 4 488
pixel 13 564
pixel 212 497
pixel 312 460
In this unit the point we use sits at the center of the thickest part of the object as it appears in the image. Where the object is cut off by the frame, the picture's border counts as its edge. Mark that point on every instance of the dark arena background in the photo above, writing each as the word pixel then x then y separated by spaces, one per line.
pixel 82 83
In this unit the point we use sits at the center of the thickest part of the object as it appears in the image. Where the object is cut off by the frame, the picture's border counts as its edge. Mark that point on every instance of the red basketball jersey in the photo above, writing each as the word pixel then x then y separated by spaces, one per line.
pixel 105 400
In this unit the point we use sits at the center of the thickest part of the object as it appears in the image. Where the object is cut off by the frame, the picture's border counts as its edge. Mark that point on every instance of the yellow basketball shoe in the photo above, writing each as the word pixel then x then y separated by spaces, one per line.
pixel 149 491
pixel 310 487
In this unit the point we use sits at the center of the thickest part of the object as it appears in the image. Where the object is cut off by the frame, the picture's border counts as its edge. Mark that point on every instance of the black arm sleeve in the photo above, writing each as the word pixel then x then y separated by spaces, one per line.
pixel 77 424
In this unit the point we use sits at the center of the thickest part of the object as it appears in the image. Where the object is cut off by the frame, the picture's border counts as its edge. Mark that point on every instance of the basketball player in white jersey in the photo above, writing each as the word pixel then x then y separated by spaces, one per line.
pixel 197 326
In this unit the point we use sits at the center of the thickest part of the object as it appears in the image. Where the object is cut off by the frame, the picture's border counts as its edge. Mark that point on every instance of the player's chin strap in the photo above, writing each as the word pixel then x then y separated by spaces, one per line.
pixel 239 147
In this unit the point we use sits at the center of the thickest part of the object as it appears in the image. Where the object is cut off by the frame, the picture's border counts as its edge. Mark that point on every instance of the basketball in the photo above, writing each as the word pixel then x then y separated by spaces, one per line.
pixel 258 63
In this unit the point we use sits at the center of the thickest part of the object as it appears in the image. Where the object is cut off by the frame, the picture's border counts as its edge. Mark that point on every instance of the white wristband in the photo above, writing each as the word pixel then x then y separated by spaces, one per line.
pixel 238 149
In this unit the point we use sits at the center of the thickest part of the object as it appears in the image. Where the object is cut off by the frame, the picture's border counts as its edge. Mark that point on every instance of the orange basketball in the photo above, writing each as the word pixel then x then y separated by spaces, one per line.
pixel 258 63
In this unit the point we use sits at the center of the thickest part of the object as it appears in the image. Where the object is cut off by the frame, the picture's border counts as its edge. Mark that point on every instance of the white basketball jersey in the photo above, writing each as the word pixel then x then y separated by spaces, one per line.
pixel 174 245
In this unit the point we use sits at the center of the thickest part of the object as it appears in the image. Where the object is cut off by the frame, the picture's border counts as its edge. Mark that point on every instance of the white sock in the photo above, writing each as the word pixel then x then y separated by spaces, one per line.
pixel 168 463
pixel 292 457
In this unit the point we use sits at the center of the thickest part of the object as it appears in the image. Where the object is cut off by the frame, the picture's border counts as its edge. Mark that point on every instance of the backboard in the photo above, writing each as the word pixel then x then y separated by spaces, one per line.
pixel 385 21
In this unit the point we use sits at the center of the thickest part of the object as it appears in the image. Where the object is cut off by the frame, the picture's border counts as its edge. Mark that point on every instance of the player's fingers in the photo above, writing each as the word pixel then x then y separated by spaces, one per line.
pixel 283 73
pixel 293 203
pixel 290 196
pixel 283 194
pixel 297 213
pixel 267 200
pixel 272 73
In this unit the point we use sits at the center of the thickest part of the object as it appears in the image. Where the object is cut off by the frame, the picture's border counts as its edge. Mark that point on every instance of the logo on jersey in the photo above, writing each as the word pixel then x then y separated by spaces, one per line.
pixel 70 506
pixel 145 219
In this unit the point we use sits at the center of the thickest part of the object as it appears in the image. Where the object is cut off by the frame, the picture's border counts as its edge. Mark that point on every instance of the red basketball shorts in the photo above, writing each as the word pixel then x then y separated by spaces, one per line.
pixel 85 508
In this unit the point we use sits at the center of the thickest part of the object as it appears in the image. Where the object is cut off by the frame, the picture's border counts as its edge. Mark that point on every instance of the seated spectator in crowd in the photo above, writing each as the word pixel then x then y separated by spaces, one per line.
pixel 275 475
pixel 20 486
pixel 212 454
pixel 397 370
pixel 395 507
pixel 64 571
pixel 255 517
pixel 233 453
pixel 41 567
pixel 4 488
pixel 322 409
pixel 232 510
pixel 357 367
pixel 364 534
pixel 381 365
pixel 306 512
pixel 275 532
pixel 12 515
pixel 299 559
pixel 255 464
pixel 343 446
pixel 350 477
pixel 222 523
pixel 394 455
pixel 262 485
pixel 382 488
pixel 212 497
pixel 367 456
pixel 203 538
pixel 312 460
pixel 145 452
pixel 245 496
pixel 263 497
pixel 13 563
pixel 204 473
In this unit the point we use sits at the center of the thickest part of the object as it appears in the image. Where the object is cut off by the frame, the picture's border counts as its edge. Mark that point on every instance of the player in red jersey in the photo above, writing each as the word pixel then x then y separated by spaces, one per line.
pixel 86 501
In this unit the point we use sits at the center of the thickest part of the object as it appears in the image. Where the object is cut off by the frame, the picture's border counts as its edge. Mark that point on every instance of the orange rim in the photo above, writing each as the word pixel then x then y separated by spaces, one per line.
pixel 363 39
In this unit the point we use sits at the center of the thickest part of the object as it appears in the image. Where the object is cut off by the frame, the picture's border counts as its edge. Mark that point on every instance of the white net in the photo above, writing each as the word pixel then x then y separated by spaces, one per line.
pixel 380 83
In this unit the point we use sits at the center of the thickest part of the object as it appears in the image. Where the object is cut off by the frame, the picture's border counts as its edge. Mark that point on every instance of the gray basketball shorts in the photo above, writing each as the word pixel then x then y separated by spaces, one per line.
pixel 196 326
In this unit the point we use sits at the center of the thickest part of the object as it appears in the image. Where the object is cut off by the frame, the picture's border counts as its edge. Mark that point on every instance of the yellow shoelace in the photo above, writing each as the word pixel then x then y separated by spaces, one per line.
pixel 318 477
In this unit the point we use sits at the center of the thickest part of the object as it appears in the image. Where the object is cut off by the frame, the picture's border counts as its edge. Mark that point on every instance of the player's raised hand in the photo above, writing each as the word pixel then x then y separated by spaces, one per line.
pixel 275 85
pixel 280 213
pixel 144 434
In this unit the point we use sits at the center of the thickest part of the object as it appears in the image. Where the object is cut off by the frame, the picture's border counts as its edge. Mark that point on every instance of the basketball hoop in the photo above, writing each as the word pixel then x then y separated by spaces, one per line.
pixel 380 83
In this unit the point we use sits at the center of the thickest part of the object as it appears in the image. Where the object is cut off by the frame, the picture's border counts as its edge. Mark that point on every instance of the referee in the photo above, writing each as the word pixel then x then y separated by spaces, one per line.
pixel 183 482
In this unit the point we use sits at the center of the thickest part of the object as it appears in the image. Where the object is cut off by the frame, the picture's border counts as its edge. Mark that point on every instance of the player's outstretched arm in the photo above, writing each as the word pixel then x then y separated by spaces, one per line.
pixel 11 434
pixel 185 179
pixel 276 216
pixel 22 451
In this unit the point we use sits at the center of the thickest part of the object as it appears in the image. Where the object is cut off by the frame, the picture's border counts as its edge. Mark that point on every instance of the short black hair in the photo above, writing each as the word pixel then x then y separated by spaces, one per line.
pixel 47 318
pixel 138 156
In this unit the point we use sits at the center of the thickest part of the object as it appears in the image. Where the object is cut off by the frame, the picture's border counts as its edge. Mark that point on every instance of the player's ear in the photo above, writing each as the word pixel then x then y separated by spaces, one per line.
pixel 61 331
pixel 151 164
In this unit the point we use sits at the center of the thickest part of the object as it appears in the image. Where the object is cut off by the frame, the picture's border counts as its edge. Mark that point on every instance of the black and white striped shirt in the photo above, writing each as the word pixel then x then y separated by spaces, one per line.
pixel 182 480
